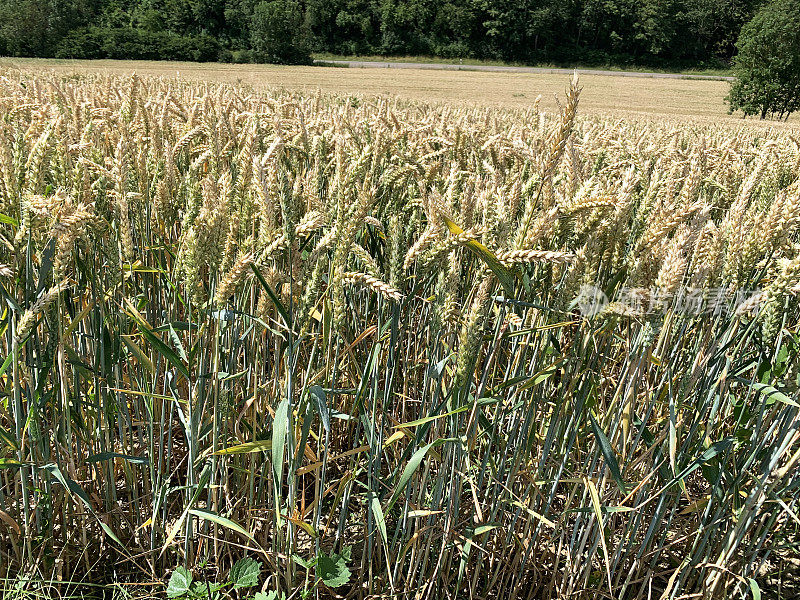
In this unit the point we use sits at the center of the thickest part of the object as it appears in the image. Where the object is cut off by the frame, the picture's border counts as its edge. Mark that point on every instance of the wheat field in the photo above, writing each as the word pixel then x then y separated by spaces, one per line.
pixel 466 352
pixel 672 100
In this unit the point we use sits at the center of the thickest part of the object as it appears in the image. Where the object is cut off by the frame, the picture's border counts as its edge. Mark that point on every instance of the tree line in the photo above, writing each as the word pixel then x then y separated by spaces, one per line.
pixel 668 33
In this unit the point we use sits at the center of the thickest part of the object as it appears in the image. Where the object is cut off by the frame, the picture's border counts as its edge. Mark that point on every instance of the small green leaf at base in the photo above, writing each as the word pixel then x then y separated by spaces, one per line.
pixel 244 573
pixel 754 588
pixel 179 583
pixel 333 570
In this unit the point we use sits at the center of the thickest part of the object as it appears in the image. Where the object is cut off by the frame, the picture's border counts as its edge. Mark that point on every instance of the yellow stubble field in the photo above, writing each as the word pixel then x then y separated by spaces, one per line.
pixel 629 97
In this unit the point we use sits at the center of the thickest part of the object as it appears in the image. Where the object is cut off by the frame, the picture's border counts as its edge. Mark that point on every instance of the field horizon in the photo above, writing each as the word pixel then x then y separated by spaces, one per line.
pixel 669 100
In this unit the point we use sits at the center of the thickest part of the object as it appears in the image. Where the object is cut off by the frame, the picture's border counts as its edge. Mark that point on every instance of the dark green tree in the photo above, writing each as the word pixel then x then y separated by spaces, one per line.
pixel 344 26
pixel 456 29
pixel 709 28
pixel 519 30
pixel 655 25
pixel 238 15
pixel 279 33
pixel 664 33
pixel 767 66
pixel 25 26
pixel 35 27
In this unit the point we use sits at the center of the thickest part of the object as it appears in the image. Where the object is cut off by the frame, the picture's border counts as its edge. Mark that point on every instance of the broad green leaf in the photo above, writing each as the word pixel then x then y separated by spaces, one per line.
pixel 46 266
pixel 176 341
pixel 280 427
pixel 433 418
pixel 754 588
pixel 160 346
pixel 7 439
pixel 244 573
pixel 481 529
pixel 215 518
pixel 377 513
pixel 69 485
pixel 771 394
pixel 503 274
pixel 177 326
pixel 320 402
pixel 223 376
pixel 200 589
pixel 541 376
pixel 8 220
pixel 247 447
pixel 608 453
pixel 141 460
pixel 109 533
pixel 278 305
pixel 143 359
pixel 411 468
pixel 598 512
pixel 6 363
pixel 333 570
pixel 180 583
pixel 306 564
pixel 715 449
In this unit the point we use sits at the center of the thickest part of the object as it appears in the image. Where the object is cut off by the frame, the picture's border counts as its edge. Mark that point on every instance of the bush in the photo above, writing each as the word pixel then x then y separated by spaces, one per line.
pixel 454 50
pixel 82 43
pixel 137 44
pixel 767 66
pixel 242 56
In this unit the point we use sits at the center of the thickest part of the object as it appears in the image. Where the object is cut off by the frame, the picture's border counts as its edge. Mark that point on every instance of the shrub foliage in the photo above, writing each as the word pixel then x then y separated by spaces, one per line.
pixel 768 63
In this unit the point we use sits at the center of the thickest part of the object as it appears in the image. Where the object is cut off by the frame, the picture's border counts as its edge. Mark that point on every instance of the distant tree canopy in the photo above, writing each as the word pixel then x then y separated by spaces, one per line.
pixel 768 63
pixel 279 32
pixel 669 33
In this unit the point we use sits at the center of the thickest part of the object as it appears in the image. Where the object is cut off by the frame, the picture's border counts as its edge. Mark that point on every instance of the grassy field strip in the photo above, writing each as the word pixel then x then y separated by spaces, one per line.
pixel 377 64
